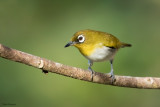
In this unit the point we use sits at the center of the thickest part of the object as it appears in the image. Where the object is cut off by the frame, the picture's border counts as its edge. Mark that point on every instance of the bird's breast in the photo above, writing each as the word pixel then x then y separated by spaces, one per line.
pixel 101 54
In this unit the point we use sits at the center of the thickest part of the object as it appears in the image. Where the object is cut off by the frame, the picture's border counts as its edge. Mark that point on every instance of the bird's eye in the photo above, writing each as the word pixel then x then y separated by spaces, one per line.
pixel 81 38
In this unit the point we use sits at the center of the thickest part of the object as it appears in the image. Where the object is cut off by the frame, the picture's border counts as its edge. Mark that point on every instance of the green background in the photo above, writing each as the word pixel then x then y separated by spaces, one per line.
pixel 42 28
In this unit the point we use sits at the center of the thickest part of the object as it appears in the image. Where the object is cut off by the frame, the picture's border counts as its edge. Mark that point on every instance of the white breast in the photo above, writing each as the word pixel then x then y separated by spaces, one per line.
pixel 102 54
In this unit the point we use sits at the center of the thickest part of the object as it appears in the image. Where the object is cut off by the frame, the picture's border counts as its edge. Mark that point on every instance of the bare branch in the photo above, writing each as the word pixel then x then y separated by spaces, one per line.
pixel 77 73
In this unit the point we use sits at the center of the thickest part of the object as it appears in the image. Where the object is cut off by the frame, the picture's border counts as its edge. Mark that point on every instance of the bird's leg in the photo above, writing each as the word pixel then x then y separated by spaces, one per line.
pixel 89 68
pixel 111 72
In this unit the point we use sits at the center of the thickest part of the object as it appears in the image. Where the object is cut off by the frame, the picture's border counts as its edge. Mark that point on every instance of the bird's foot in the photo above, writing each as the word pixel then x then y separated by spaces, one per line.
pixel 90 69
pixel 112 77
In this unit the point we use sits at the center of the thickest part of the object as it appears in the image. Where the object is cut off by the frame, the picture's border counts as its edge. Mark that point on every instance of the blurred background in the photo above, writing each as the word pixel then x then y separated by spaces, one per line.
pixel 42 28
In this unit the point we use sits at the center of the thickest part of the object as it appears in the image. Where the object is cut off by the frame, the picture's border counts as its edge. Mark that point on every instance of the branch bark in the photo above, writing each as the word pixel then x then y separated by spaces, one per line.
pixel 78 73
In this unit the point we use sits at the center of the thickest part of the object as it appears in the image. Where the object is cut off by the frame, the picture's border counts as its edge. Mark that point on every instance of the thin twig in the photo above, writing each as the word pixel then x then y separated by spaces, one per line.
pixel 78 73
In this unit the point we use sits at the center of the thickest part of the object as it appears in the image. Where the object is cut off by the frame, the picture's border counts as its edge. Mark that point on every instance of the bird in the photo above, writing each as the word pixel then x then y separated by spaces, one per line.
pixel 97 46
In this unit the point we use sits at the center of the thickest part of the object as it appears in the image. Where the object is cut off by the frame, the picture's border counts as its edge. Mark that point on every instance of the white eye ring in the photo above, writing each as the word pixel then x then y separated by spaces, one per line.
pixel 81 38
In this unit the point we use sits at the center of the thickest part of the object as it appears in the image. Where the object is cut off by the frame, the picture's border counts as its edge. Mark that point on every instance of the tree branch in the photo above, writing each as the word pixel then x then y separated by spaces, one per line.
pixel 77 73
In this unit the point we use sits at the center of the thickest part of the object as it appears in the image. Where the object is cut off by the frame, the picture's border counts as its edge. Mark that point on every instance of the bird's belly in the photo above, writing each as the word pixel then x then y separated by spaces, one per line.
pixel 102 54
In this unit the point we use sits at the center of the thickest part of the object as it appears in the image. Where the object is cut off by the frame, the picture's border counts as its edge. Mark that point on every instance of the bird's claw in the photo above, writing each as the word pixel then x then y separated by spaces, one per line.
pixel 90 69
pixel 112 77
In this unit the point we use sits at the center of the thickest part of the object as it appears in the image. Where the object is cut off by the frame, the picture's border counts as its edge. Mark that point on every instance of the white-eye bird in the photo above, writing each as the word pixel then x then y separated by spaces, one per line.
pixel 97 46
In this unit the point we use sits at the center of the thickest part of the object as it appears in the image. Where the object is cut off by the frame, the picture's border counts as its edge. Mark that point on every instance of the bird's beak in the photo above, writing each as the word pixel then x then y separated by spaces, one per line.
pixel 69 44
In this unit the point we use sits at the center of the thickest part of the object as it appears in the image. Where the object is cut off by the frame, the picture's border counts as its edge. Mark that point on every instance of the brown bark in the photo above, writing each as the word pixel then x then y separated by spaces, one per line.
pixel 78 73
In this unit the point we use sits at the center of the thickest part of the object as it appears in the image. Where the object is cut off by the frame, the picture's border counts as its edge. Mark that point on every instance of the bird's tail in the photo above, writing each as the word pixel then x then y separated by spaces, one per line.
pixel 125 45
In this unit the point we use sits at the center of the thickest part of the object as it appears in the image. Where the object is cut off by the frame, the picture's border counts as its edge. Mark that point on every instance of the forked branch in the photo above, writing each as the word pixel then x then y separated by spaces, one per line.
pixel 77 73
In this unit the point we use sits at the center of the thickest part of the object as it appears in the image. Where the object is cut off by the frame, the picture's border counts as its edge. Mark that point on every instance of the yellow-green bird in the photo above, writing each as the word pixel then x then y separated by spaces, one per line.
pixel 97 46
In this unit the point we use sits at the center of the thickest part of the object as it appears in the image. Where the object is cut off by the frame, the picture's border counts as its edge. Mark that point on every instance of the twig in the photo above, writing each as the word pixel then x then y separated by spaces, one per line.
pixel 77 73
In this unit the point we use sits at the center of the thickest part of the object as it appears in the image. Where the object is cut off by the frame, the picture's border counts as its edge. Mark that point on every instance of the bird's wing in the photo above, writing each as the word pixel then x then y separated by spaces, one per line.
pixel 112 42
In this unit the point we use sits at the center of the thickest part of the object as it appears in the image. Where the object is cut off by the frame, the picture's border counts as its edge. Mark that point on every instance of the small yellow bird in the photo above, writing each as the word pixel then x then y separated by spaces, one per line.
pixel 97 46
